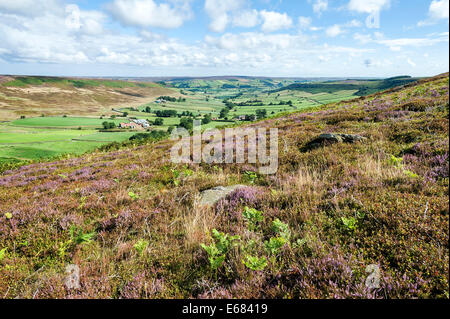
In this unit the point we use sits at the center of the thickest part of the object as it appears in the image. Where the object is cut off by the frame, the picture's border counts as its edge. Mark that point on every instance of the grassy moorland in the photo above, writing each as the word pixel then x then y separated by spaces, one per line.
pixel 130 219
pixel 32 96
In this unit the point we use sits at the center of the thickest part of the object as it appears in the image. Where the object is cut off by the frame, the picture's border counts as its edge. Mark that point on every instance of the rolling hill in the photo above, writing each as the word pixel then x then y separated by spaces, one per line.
pixel 363 87
pixel 32 96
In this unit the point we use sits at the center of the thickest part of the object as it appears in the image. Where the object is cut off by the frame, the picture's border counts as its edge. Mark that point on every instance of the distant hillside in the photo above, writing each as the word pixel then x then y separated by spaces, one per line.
pixel 363 87
pixel 36 95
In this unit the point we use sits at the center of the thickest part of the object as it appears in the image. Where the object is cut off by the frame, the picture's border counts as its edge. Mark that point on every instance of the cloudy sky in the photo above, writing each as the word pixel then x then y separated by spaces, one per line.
pixel 300 38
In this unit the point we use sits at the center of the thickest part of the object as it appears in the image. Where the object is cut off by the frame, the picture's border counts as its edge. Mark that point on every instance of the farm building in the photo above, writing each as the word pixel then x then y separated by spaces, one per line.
pixel 131 125
pixel 142 123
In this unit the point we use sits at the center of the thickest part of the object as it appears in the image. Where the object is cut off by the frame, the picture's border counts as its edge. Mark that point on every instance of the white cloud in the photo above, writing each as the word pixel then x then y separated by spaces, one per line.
pixel 353 24
pixel 411 63
pixel 368 6
pixel 84 22
pixel 319 6
pixel 338 29
pixel 148 13
pixel 47 39
pixel 399 43
pixel 396 44
pixel 334 31
pixel 362 38
pixel 438 10
pixel 274 21
pixel 218 11
pixel 304 22
pixel 29 7
pixel 246 19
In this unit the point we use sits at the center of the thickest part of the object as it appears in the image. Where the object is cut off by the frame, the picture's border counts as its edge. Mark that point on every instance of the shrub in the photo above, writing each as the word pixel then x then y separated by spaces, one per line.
pixel 255 263
pixel 253 217
pixel 141 246
pixel 219 249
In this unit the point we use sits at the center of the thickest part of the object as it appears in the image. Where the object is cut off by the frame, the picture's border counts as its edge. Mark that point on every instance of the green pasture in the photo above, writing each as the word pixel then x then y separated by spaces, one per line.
pixel 85 122
pixel 32 143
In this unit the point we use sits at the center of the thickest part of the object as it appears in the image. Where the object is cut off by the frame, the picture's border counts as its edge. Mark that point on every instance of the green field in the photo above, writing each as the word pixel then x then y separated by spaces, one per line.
pixel 85 122
pixel 31 143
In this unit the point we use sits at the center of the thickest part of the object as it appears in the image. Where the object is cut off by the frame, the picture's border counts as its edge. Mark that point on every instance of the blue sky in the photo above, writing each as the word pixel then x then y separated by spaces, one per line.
pixel 310 38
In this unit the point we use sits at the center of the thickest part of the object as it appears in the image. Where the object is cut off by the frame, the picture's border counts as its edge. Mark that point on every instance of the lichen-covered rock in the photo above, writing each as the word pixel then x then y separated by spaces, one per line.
pixel 332 138
pixel 213 195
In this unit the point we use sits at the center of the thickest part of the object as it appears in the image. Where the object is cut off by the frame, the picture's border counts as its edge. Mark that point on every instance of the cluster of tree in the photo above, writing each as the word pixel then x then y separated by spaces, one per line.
pixel 229 86
pixel 187 123
pixel 166 113
pixel 172 99
pixel 153 135
pixel 224 113
pixel 167 98
pixel 187 113
pixel 261 114
pixel 282 103
pixel 158 122
pixel 206 119
pixel 109 125
pixel 250 117
pixel 251 103
pixel 147 110
pixel 228 104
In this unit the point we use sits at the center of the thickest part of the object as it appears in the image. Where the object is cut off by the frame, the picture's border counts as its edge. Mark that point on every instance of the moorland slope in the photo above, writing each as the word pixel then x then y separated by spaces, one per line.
pixel 131 220
pixel 32 96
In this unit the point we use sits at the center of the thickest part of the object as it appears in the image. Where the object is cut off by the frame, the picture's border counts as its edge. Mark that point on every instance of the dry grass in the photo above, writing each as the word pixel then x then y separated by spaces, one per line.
pixel 53 100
